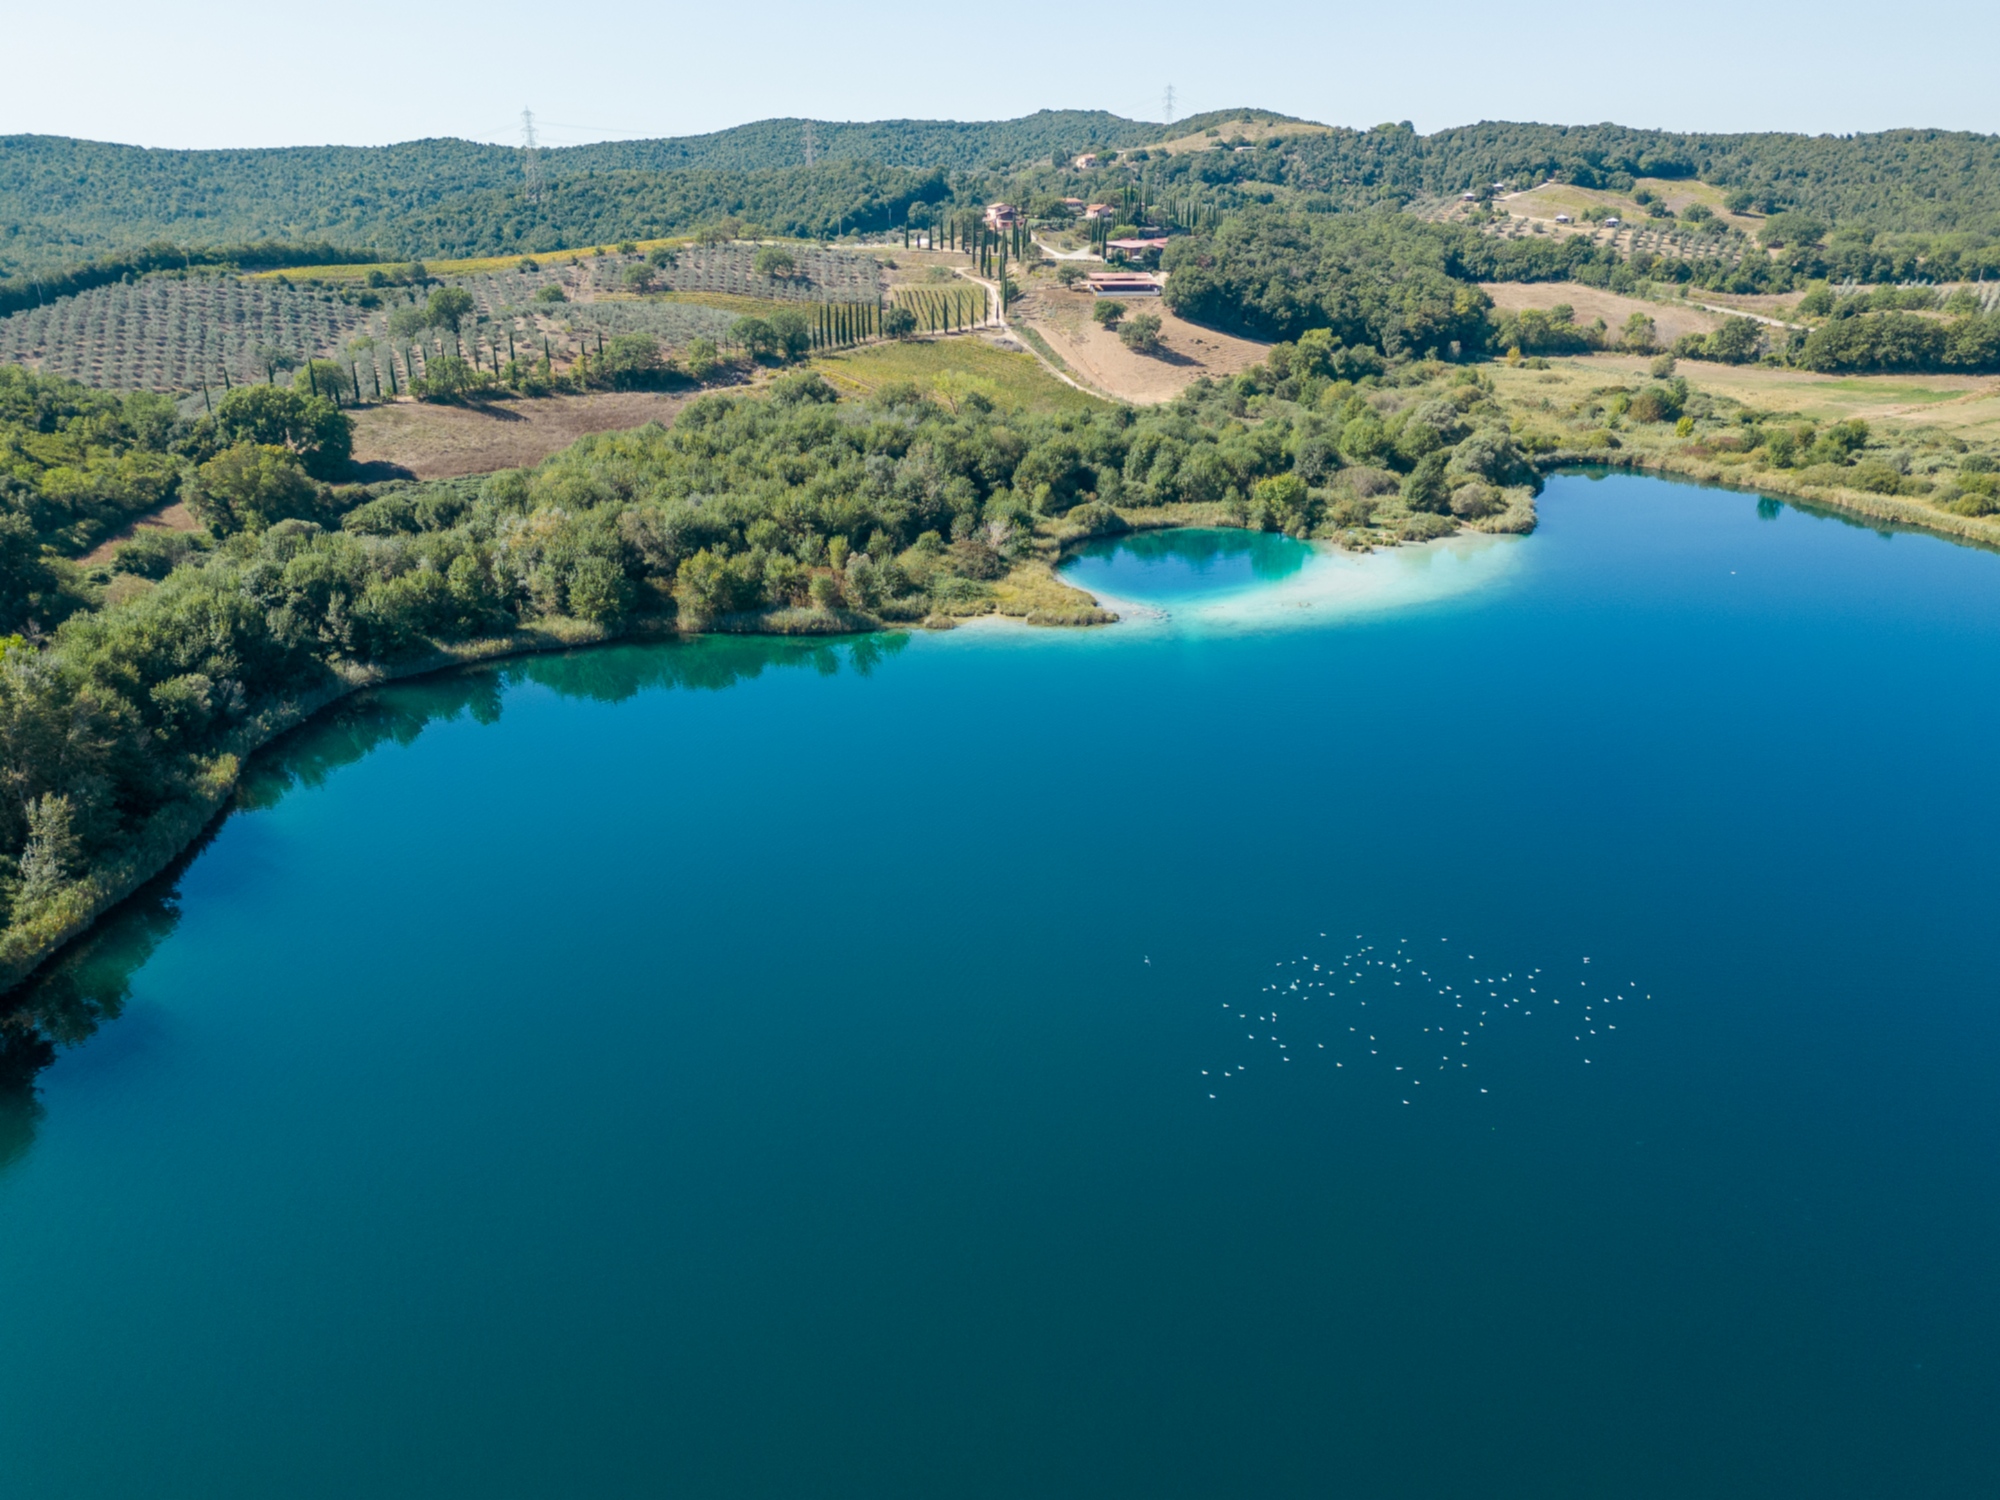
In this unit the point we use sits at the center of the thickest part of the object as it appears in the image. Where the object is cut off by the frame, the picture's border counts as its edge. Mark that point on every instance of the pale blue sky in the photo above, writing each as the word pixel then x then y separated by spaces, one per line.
pixel 232 73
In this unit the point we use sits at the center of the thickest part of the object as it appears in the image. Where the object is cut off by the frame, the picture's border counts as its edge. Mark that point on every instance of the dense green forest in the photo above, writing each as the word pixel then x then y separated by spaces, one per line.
pixel 1927 181
pixel 837 197
pixel 1892 200
pixel 64 201
pixel 1387 284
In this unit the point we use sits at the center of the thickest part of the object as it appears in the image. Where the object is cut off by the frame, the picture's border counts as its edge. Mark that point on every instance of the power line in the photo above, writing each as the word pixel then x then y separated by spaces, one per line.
pixel 531 159
pixel 1170 104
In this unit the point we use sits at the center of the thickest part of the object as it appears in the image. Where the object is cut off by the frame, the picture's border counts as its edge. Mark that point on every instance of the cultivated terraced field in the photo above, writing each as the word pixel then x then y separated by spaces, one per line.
pixel 170 334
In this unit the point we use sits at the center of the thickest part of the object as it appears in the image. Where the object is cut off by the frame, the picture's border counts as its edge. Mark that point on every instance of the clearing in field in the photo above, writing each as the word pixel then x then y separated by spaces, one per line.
pixel 1248 132
pixel 1552 198
pixel 952 368
pixel 1097 357
pixel 1671 318
pixel 1966 407
pixel 443 442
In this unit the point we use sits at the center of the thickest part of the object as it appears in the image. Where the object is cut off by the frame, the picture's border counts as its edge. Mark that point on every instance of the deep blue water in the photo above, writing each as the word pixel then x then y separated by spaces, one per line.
pixel 753 1069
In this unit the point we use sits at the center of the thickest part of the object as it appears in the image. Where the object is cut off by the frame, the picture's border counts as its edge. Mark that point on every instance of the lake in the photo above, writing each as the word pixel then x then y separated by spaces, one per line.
pixel 1516 1017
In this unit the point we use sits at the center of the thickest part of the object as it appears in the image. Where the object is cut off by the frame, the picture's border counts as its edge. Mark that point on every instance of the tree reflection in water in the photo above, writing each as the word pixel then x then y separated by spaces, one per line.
pixel 84 987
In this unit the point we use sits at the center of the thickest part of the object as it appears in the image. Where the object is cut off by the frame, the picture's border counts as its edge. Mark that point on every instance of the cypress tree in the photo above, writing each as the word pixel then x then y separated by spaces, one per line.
pixel 312 376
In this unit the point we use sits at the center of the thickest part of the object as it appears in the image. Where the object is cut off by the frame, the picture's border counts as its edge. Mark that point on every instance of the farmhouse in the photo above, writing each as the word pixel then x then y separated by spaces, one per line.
pixel 1087 160
pixel 1101 211
pixel 1002 215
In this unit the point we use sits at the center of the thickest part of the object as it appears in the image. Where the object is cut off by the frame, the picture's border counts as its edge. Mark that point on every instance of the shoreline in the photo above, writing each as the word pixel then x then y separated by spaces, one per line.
pixel 1898 511
pixel 26 948
pixel 173 830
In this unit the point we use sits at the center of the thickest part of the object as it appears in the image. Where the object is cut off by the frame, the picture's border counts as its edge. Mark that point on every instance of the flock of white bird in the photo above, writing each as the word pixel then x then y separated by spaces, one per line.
pixel 1411 1017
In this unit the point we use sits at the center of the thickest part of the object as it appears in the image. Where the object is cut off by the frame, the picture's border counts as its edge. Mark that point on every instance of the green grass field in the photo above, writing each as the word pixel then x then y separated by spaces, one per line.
pixel 951 368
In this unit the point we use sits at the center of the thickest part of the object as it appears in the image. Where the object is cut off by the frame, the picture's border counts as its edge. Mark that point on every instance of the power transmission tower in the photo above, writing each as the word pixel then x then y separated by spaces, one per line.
pixel 531 159
pixel 811 144
pixel 1170 104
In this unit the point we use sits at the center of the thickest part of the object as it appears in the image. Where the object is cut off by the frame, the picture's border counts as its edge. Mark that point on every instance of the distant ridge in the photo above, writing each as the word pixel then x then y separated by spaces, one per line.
pixel 64 200
pixel 68 204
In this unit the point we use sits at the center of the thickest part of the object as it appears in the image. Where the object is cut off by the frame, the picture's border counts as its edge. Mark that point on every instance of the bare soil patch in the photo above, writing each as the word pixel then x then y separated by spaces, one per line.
pixel 441 442
pixel 1095 354
pixel 1249 132
pixel 175 517
pixel 1671 318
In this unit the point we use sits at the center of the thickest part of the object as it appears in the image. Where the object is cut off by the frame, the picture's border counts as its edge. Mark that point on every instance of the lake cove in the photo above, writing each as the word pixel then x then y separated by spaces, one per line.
pixel 1528 1034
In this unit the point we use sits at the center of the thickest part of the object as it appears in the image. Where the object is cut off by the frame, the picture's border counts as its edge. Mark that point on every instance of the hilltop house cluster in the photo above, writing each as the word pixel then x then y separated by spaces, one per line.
pixel 1129 282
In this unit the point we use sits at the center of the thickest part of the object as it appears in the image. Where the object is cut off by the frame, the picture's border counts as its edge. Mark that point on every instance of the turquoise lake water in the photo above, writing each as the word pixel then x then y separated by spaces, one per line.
pixel 899 1068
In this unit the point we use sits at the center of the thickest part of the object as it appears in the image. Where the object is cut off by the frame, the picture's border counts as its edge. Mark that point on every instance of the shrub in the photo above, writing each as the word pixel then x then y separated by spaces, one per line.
pixel 1656 404
pixel 1876 477
pixel 1141 333
pixel 1425 489
pixel 448 378
pixel 793 334
pixel 249 486
pixel 802 388
pixel 710 583
pixel 1474 501
pixel 756 336
pixel 154 553
pixel 311 428
pixel 629 362
pixel 1426 527
pixel 775 262
pixel 1284 503
pixel 598 590
pixel 702 358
